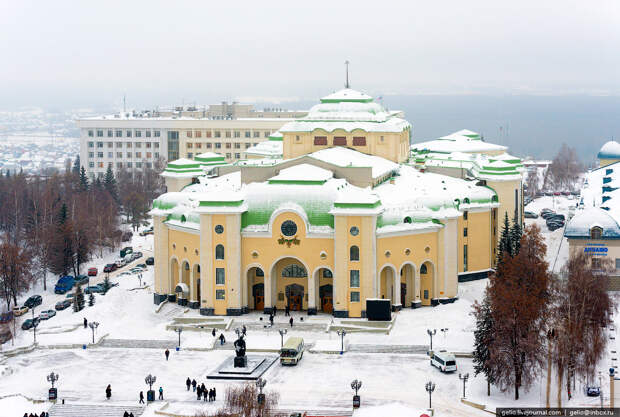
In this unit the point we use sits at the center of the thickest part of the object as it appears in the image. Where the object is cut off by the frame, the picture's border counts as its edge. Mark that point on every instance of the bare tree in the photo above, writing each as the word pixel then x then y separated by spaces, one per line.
pixel 565 169
pixel 241 401
pixel 15 272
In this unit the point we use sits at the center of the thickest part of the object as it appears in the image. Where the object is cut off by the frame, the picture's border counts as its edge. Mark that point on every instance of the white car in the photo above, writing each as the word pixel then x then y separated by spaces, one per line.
pixel 47 314
pixel 125 274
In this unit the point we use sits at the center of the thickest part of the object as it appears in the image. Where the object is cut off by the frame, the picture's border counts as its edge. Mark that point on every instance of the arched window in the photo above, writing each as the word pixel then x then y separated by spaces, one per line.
pixel 259 272
pixel 423 269
pixel 407 219
pixel 596 233
pixel 294 271
pixel 466 200
pixel 219 252
pixel 354 253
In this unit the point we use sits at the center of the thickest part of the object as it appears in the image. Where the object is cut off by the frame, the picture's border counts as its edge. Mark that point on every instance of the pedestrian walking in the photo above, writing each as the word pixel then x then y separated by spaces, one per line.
pixel 291 321
pixel 161 393
pixel 271 319
pixel 167 354
pixel 222 339
pixel 131 414
pixel 108 392
pixel 210 394
pixel 244 330
pixel 213 332
pixel 198 392
pixel 85 323
pixel 287 310
pixel 214 393
pixel 275 310
pixel 125 414
pixel 194 385
pixel 141 398
pixel 205 393
pixel 188 382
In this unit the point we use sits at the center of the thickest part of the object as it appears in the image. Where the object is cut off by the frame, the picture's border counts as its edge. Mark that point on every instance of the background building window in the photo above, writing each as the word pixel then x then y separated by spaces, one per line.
pixel 596 232
pixel 220 276
pixel 219 252
pixel 294 271
pixel 464 232
pixel 359 141
pixel 355 296
pixel 354 253
pixel 465 215
pixel 220 294
pixel 464 258
pixel 320 140
pixel 340 141
pixel 354 278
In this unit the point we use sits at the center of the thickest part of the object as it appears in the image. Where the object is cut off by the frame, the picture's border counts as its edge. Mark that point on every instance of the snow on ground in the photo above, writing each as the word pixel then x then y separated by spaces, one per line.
pixel 16 405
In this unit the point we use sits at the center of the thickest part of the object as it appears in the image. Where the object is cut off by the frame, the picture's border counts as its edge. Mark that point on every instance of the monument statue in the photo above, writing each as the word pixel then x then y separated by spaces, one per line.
pixel 241 361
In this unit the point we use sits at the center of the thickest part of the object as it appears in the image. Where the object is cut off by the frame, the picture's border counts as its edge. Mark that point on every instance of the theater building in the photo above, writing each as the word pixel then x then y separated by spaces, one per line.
pixel 347 212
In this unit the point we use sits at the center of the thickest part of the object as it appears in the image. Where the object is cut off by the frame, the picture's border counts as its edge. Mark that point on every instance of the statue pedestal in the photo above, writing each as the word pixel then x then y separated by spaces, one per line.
pixel 241 362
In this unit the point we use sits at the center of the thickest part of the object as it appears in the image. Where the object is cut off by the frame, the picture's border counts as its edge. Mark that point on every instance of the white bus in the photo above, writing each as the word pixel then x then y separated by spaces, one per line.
pixel 444 361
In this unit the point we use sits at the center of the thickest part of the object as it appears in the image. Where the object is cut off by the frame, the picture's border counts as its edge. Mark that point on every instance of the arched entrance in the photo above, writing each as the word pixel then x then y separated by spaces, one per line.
pixel 326 295
pixel 427 277
pixel 290 285
pixel 387 283
pixel 407 285
pixel 185 271
pixel 256 288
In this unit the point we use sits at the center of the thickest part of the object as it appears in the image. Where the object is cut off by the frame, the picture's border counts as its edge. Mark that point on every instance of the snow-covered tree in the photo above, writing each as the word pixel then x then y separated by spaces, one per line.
pixel 505 241
pixel 91 299
pixel 483 340
pixel 78 299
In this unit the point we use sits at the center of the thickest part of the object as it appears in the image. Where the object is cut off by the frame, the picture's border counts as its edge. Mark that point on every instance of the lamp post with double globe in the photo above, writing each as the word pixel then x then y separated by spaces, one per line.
pixel 93 326
pixel 260 384
pixel 53 392
pixel 150 394
pixel 430 387
pixel 356 385
pixel 282 333
pixel 342 333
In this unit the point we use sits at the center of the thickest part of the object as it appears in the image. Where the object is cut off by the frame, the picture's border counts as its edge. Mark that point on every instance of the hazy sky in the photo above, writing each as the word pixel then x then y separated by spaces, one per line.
pixel 154 51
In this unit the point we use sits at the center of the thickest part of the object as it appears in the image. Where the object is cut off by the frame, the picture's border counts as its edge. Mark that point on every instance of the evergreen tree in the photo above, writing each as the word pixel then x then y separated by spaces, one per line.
pixel 109 183
pixel 515 236
pixel 78 299
pixel 91 299
pixel 106 284
pixel 483 339
pixel 97 183
pixel 505 241
pixel 76 165
pixel 83 180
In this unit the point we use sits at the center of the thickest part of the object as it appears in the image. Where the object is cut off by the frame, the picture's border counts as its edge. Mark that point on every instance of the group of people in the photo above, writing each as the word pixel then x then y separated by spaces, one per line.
pixel 287 312
pixel 126 414
pixel 43 414
pixel 201 391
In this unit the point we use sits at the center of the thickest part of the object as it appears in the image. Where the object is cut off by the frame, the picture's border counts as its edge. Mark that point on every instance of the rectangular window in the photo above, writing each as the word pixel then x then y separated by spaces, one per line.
pixel 110 144
pixel 266 133
pixel 355 296
pixel 138 164
pixel 228 133
pixel 248 134
pixel 128 164
pixel 118 133
pixel 188 133
pixel 99 133
pixel 91 144
pixel 228 146
pixel 257 134
pixel 91 154
pixel 128 133
pixel 138 144
pixel 138 133
pixel 237 155
pixel 227 156
pixel 596 263
pixel 464 232
pixel 617 263
pixel 156 154
pixel 198 134
pixel 91 164
pixel 198 145
pixel 190 145
pixel 465 215
pixel 110 155
pixel 99 154
pixel 237 134
pixel 218 134
pixel 220 294
pixel 138 154
pixel 359 141
pixel 119 144
pixel 157 133
pixel 320 140
pixel 110 133
pixel 99 164
pixel 119 154
pixel 128 154
pixel 237 146
pixel 465 258
pixel 148 145
pixel 100 144
pixel 247 145
pixel 220 276
pixel 218 146
pixel 91 133
pixel 149 155
pixel 148 133
pixel 208 134
pixel 190 155
pixel 128 145
pixel 340 141
pixel 119 165
pixel 354 278
pixel 149 165
pixel 208 145
pixel 156 145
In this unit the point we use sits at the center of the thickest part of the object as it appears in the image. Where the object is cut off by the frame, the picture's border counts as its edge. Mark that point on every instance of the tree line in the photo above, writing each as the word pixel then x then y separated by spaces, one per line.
pixel 531 320
pixel 57 223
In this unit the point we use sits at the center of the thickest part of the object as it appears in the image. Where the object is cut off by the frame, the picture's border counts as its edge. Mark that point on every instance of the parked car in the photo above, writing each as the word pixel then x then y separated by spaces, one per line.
pixel 137 255
pixel 148 231
pixel 64 284
pixel 136 270
pixel 593 391
pixel 33 301
pixel 547 214
pixel 150 260
pixel 556 216
pixel 82 279
pixel 61 305
pixel 125 274
pixel 20 311
pixel 92 272
pixel 93 289
pixel 47 314
pixel 143 266
pixel 126 250
pixel 109 268
pixel 69 296
pixel 555 226
pixel 30 323
pixel 530 215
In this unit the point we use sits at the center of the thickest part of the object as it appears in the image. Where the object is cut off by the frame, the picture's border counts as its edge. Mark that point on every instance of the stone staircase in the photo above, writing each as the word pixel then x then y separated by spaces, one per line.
pixel 139 344
pixel 99 410
pixel 369 348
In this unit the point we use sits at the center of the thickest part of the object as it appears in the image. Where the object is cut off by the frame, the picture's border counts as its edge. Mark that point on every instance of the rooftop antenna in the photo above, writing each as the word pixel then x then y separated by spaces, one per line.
pixel 346 84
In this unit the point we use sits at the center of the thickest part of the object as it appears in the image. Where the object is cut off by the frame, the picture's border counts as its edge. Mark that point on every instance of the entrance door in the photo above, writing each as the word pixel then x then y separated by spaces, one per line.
pixel 295 302
pixel 259 302
pixel 403 293
pixel 327 304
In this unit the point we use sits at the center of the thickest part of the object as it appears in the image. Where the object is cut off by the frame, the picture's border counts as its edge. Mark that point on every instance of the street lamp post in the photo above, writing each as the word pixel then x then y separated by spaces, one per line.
pixel 140 279
pixel 179 330
pixel 93 326
pixel 342 333
pixel 464 378
pixel 260 384
pixel 445 332
pixel 150 394
pixel 53 392
pixel 430 387
pixel 282 333
pixel 35 324
pixel 431 333
pixel 356 385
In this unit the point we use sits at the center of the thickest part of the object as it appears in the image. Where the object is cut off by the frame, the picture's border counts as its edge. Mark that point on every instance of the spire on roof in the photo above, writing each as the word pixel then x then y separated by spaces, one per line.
pixel 346 64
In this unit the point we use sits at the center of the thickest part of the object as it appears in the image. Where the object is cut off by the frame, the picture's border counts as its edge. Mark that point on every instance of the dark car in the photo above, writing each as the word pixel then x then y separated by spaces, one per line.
pixel 555 216
pixel 547 214
pixel 109 268
pixel 29 323
pixel 93 289
pixel 61 305
pixel 141 266
pixel 555 226
pixel 150 260
pixel 81 280
pixel 92 272
pixel 137 255
pixel 33 301
pixel 530 215
pixel 593 391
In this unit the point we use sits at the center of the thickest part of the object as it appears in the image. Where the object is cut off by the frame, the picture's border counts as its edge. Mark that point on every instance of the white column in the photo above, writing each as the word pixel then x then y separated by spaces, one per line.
pixel 312 290
pixel 396 288
pixel 268 298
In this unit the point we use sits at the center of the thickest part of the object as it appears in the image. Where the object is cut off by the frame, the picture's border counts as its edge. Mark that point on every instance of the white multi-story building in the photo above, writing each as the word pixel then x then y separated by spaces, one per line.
pixel 136 140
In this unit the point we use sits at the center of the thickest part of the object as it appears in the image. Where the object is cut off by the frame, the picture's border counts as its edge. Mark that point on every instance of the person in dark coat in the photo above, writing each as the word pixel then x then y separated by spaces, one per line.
pixel 287 310
pixel 214 393
pixel 167 353
pixel 291 321
pixel 161 393
pixel 275 310
pixel 210 394
pixel 125 414
pixel 108 392
pixel 141 398
pixel 85 323
pixel 271 319
pixel 199 392
pixel 222 339
pixel 213 332
pixel 131 414
pixel 194 385
pixel 188 382
pixel 244 330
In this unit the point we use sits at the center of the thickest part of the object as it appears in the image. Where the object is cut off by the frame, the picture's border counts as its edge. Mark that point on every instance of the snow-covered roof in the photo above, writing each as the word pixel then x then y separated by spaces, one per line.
pixel 462 141
pixel 584 220
pixel 347 94
pixel 303 173
pixel 269 148
pixel 610 150
pixel 346 157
